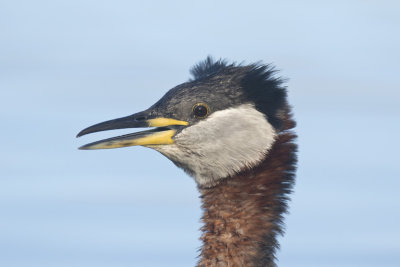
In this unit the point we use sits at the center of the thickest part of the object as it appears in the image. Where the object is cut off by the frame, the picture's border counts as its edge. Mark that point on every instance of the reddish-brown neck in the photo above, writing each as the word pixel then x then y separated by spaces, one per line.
pixel 243 214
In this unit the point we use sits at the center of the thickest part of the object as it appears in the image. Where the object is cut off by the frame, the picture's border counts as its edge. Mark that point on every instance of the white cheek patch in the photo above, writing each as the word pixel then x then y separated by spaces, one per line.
pixel 223 144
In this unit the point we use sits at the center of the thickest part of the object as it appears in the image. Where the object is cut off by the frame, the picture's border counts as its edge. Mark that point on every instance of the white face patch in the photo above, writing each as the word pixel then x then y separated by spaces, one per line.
pixel 225 143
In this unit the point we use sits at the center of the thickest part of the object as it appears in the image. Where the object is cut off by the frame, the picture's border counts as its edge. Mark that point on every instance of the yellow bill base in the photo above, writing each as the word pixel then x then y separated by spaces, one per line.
pixel 162 122
pixel 157 138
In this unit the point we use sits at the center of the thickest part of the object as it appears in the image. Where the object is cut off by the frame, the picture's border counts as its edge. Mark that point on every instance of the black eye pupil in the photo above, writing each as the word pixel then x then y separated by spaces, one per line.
pixel 200 111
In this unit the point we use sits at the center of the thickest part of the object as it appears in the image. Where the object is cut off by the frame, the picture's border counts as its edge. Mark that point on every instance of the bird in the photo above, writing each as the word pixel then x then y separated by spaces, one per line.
pixel 231 128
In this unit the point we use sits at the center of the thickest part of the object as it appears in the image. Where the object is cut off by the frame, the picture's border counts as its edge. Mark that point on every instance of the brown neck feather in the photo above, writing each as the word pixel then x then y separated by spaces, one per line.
pixel 243 214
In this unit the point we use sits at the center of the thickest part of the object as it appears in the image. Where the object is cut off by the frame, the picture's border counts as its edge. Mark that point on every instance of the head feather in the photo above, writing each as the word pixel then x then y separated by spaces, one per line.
pixel 208 67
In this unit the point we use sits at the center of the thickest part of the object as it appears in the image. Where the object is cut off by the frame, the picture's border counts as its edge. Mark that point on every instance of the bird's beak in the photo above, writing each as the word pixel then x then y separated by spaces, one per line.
pixel 162 135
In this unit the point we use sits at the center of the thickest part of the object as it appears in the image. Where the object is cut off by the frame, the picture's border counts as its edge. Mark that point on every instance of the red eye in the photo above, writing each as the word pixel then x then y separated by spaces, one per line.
pixel 200 110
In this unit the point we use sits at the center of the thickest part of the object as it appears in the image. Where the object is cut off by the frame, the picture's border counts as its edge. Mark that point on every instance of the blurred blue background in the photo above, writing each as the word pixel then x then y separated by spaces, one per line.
pixel 65 65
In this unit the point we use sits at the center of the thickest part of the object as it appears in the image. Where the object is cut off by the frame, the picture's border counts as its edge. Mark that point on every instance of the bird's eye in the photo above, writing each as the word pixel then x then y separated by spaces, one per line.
pixel 200 110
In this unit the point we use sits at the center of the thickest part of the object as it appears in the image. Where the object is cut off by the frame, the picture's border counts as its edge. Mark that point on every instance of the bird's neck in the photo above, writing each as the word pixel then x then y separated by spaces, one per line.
pixel 243 214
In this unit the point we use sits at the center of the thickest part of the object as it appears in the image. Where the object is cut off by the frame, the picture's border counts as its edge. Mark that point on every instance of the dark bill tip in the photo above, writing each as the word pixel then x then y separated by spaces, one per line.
pixel 121 123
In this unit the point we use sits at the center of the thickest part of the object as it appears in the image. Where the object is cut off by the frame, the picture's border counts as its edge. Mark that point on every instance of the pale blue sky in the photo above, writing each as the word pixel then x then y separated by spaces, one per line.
pixel 65 65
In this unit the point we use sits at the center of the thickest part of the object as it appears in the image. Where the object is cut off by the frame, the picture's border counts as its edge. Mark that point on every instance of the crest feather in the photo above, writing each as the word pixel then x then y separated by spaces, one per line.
pixel 208 67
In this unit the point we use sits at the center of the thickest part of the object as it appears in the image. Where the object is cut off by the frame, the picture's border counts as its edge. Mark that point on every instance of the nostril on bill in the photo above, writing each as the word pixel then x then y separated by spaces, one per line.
pixel 140 118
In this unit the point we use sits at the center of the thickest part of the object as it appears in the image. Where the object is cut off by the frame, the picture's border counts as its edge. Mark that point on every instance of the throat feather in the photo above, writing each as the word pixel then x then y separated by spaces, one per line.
pixel 222 145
